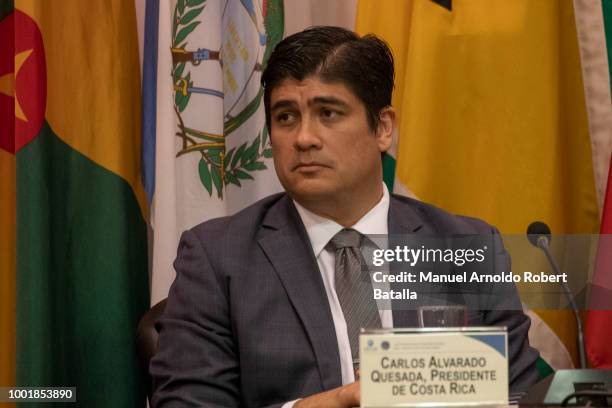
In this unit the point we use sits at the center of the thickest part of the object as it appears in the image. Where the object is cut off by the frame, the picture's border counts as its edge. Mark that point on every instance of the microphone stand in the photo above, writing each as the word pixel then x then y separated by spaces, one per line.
pixel 543 245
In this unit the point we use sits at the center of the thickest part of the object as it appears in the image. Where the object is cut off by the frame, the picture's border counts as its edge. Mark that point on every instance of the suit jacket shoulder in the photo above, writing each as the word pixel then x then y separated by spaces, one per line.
pixel 247 220
pixel 435 219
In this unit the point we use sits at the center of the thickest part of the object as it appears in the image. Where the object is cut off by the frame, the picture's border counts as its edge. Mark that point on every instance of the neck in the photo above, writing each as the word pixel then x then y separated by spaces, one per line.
pixel 346 211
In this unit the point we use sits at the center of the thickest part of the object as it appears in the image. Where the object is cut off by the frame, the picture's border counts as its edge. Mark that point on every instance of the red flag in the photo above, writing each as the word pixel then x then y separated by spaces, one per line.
pixel 599 318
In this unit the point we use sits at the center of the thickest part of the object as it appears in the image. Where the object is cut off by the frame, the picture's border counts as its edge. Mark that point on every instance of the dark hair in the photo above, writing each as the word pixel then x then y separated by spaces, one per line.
pixel 363 64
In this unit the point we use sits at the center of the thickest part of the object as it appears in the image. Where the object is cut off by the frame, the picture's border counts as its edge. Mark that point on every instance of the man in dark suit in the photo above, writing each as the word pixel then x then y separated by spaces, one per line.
pixel 258 315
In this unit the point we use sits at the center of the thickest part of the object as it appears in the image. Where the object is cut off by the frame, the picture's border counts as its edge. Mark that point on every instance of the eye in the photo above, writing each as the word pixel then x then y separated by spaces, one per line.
pixel 285 118
pixel 327 113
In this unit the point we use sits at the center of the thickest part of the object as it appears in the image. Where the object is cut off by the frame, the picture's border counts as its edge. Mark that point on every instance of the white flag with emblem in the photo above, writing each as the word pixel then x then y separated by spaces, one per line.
pixel 212 150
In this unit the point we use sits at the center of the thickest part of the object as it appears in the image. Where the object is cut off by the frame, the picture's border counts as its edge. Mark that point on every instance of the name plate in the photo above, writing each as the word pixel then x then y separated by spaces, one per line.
pixel 429 367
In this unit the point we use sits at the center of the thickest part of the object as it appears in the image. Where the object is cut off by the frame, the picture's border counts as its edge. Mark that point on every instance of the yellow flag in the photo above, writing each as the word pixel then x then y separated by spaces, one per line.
pixel 492 118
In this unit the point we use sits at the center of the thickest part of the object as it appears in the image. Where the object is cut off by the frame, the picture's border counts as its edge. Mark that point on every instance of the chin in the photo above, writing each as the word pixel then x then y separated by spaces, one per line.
pixel 311 189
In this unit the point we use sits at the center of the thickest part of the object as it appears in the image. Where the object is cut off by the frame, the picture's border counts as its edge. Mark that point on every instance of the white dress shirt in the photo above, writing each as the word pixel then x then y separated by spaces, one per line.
pixel 320 231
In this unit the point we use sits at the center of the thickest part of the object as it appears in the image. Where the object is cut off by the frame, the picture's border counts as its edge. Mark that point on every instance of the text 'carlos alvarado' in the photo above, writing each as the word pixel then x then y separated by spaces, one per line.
pixel 459 257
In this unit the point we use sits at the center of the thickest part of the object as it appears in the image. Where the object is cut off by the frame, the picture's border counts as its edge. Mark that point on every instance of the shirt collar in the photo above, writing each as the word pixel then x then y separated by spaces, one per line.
pixel 320 229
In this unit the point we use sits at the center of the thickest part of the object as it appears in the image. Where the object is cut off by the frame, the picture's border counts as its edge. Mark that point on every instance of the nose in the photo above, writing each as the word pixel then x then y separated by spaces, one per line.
pixel 307 136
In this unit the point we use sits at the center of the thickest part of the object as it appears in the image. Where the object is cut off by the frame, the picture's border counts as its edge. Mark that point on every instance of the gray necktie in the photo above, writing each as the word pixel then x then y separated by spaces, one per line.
pixel 353 287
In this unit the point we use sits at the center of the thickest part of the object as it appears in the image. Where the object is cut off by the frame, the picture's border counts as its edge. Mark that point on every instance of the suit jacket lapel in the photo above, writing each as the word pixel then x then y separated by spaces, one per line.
pixel 288 248
pixel 403 219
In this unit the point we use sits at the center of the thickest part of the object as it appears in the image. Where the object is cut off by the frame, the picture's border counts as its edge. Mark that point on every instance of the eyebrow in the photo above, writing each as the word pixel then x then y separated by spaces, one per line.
pixel 283 103
pixel 319 100
pixel 328 100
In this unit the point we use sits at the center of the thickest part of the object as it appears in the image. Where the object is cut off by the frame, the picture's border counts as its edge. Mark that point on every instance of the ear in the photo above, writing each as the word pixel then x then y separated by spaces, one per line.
pixel 386 126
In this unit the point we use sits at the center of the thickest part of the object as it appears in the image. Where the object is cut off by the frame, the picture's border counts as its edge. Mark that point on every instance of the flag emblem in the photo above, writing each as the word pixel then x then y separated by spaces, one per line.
pixel 217 88
pixel 23 81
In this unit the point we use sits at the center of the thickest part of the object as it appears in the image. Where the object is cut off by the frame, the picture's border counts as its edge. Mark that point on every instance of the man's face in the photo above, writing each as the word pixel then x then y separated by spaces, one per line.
pixel 323 147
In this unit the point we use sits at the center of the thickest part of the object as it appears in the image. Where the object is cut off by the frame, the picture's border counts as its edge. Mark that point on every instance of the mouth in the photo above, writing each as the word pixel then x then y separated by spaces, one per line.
pixel 308 167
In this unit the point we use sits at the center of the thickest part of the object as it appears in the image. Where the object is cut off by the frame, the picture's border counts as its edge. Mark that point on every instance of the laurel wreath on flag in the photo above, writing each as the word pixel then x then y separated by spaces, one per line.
pixel 218 168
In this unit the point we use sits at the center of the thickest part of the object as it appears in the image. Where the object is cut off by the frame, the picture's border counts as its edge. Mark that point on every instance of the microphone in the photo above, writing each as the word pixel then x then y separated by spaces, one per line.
pixel 538 233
